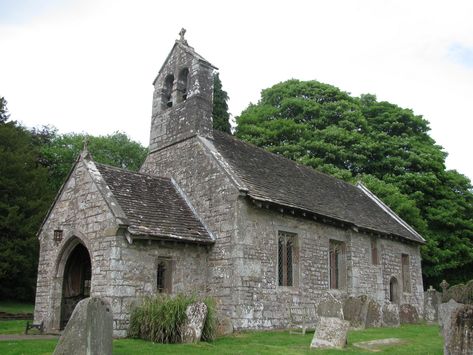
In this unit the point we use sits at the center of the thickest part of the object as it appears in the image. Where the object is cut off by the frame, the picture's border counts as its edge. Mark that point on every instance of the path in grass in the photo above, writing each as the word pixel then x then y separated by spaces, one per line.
pixel 420 339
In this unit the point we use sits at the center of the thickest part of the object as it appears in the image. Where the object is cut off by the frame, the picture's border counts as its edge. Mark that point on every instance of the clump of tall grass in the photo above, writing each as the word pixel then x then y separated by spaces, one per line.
pixel 160 318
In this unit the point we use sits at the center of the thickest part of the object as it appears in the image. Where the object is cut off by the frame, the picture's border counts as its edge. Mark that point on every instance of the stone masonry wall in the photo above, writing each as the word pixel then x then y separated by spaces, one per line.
pixel 133 274
pixel 185 118
pixel 261 303
pixel 121 273
pixel 83 215
pixel 214 198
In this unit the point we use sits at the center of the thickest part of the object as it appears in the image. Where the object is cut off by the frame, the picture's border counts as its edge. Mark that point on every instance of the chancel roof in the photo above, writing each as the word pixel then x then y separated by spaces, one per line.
pixel 276 180
pixel 153 206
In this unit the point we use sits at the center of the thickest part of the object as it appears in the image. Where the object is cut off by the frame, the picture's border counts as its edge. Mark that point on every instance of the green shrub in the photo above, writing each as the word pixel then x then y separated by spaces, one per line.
pixel 210 325
pixel 160 318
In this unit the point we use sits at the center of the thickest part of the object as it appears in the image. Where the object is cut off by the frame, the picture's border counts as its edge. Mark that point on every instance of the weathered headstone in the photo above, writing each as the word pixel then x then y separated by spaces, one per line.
pixel 192 329
pixel 89 331
pixel 224 326
pixel 445 315
pixel 408 314
pixel 373 314
pixel 432 299
pixel 459 339
pixel 391 315
pixel 330 307
pixel 330 332
pixel 354 311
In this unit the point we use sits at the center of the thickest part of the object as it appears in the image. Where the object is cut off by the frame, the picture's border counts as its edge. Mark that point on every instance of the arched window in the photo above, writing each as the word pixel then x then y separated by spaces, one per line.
pixel 182 83
pixel 167 90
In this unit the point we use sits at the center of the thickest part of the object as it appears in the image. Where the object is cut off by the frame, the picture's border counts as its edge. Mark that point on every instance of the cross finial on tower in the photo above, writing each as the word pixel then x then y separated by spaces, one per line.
pixel 182 32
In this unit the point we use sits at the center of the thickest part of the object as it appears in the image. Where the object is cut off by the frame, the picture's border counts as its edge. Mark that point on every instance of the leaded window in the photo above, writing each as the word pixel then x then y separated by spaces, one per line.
pixel 286 258
pixel 337 264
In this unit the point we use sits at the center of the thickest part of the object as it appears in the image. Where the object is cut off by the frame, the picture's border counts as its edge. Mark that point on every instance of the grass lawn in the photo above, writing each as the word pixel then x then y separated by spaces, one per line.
pixel 16 307
pixel 419 339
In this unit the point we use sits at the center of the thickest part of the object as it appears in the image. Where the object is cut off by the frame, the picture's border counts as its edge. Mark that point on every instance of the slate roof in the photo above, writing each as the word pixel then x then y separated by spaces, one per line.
pixel 153 206
pixel 275 179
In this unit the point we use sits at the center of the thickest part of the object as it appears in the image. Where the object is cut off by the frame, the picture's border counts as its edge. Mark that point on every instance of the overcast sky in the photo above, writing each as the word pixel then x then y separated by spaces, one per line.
pixel 87 66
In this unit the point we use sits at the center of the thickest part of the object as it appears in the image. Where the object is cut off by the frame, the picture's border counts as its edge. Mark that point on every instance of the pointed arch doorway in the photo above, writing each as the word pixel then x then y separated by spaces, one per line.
pixel 76 281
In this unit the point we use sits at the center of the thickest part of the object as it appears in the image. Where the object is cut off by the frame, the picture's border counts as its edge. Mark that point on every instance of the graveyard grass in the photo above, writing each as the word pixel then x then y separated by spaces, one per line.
pixel 16 307
pixel 419 339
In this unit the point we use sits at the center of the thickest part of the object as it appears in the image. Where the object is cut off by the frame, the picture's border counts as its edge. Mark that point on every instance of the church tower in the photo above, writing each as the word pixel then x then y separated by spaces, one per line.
pixel 182 99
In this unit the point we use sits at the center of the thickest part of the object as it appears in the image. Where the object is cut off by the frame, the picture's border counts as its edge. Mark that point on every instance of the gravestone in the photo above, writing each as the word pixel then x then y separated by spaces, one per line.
pixel 330 307
pixel 391 315
pixel 432 299
pixel 459 338
pixel 408 314
pixel 445 315
pixel 373 314
pixel 330 332
pixel 192 329
pixel 89 330
pixel 354 311
pixel 224 326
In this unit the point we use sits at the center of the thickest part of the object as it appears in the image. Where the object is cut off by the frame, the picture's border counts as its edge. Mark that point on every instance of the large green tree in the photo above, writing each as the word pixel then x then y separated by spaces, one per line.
pixel 25 195
pixel 3 110
pixel 33 165
pixel 383 145
pixel 220 115
pixel 117 149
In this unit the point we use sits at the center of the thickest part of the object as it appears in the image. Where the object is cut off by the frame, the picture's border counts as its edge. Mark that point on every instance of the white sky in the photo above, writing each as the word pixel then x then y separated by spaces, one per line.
pixel 87 66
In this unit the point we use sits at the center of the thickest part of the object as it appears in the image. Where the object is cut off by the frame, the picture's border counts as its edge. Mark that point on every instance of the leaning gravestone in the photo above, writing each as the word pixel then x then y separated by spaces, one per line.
pixel 89 331
pixel 408 314
pixel 391 315
pixel 459 339
pixel 330 332
pixel 373 314
pixel 445 315
pixel 192 329
pixel 354 311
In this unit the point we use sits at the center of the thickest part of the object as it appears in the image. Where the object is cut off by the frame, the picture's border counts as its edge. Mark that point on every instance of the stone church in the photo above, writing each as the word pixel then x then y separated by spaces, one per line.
pixel 211 215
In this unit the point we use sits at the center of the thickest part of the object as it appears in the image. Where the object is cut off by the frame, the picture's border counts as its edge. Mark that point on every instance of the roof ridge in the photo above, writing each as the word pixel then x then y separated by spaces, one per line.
pixel 133 172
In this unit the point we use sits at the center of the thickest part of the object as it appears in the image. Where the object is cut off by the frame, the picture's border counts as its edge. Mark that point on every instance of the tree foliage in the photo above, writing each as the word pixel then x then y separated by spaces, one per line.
pixel 386 147
pixel 221 117
pixel 25 196
pixel 117 149
pixel 33 165
pixel 3 110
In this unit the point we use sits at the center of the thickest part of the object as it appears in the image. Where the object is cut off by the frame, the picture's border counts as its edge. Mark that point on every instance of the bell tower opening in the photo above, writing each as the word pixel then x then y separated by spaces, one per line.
pixel 183 97
pixel 76 281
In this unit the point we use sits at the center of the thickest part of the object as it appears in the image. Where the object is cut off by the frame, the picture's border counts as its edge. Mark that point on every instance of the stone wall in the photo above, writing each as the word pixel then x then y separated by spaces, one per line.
pixel 261 303
pixel 133 274
pixel 83 215
pixel 121 273
pixel 214 198
pixel 184 118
